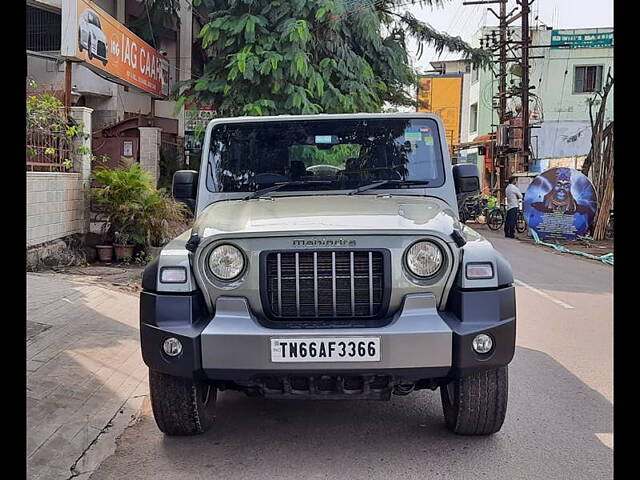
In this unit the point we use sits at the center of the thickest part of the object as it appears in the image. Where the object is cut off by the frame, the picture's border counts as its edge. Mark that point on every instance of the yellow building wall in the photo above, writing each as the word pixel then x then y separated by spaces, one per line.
pixel 442 96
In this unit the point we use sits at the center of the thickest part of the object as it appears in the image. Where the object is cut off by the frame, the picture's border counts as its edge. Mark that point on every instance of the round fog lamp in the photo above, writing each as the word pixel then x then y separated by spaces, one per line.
pixel 482 343
pixel 172 347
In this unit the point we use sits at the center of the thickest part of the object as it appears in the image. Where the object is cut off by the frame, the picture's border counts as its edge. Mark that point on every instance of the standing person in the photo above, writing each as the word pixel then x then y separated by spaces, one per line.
pixel 513 197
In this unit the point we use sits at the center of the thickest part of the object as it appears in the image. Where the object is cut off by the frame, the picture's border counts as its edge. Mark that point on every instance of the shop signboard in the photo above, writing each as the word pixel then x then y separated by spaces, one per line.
pixel 564 39
pixel 560 204
pixel 104 45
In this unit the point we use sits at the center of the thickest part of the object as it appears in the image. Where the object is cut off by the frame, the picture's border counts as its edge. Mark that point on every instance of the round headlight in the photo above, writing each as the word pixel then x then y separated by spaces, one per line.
pixel 226 262
pixel 424 259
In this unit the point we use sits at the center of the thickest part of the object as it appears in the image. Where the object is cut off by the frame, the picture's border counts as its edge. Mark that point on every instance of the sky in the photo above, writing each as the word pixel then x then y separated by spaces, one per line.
pixel 464 20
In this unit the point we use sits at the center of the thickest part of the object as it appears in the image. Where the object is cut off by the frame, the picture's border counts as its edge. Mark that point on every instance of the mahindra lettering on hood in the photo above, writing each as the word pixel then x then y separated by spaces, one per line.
pixel 90 35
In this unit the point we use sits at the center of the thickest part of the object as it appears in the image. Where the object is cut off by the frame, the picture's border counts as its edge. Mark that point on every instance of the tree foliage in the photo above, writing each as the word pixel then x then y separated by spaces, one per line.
pixel 309 56
pixel 158 20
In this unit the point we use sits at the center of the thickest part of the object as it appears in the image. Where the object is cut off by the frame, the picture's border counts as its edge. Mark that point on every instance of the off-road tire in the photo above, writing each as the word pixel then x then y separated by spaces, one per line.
pixel 181 406
pixel 476 404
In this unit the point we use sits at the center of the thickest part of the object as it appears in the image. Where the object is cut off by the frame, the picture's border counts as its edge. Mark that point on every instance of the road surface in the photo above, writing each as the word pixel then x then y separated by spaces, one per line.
pixel 559 419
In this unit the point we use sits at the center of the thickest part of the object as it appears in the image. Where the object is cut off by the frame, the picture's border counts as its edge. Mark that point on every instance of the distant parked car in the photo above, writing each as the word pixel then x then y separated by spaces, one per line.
pixel 91 37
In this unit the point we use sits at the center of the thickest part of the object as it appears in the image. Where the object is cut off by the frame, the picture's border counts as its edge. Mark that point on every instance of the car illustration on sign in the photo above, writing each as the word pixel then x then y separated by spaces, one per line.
pixel 91 37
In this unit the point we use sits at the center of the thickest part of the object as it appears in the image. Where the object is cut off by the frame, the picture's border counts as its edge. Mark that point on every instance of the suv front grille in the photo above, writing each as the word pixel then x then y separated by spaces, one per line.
pixel 324 284
pixel 101 50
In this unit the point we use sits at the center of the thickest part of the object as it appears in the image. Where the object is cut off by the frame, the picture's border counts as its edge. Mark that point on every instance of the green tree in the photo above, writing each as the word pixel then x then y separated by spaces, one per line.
pixel 309 56
pixel 158 20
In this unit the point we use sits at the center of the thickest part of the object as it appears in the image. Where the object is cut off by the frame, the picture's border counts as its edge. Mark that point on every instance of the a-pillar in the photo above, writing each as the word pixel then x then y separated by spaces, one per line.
pixel 150 150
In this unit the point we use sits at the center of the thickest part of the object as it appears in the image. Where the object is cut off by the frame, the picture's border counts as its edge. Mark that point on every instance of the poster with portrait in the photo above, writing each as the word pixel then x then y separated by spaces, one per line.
pixel 560 204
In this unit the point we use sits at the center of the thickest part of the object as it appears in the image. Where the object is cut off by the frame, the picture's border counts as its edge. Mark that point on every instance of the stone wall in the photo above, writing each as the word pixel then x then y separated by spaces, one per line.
pixel 55 206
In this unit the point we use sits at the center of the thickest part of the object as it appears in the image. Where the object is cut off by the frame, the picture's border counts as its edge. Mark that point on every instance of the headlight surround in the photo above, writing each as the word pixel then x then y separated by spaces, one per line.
pixel 226 262
pixel 424 259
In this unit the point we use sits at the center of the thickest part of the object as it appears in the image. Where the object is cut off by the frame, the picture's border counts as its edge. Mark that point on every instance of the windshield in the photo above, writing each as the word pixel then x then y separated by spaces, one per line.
pixel 324 154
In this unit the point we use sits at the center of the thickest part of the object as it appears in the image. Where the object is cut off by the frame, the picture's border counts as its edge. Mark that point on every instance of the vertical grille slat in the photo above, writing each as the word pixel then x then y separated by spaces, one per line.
pixel 370 283
pixel 333 280
pixel 324 284
pixel 279 284
pixel 353 290
pixel 298 284
pixel 315 281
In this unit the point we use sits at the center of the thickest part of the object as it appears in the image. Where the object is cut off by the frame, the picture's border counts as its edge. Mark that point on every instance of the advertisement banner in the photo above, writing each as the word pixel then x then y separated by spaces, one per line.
pixel 442 95
pixel 563 39
pixel 106 46
pixel 560 204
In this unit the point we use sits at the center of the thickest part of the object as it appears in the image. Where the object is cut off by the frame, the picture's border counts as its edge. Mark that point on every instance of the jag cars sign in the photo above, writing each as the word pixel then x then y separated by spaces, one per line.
pixel 560 204
pixel 92 36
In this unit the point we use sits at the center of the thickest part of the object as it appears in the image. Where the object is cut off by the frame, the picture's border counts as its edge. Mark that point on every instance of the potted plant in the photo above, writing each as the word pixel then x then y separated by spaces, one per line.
pixel 105 249
pixel 122 245
pixel 105 253
pixel 120 193
pixel 164 218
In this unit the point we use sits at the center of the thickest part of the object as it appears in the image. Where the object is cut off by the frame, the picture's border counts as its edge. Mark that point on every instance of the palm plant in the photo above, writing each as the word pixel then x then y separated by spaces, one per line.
pixel 121 193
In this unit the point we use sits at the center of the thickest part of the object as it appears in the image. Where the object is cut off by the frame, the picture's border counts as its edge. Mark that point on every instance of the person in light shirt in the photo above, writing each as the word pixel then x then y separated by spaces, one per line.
pixel 513 195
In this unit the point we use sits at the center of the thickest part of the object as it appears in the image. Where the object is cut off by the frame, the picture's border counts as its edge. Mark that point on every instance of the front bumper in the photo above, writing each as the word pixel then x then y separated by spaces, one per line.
pixel 420 342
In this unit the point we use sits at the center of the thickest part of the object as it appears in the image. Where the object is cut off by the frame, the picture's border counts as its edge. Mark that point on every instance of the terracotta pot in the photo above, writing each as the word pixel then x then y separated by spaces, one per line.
pixel 105 252
pixel 123 251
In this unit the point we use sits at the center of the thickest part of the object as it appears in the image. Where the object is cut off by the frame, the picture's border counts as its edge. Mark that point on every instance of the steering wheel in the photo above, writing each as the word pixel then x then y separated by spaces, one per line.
pixel 269 178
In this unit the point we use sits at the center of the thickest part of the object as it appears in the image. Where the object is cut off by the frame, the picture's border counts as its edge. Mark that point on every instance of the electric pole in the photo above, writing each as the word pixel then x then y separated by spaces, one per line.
pixel 502 46
pixel 526 132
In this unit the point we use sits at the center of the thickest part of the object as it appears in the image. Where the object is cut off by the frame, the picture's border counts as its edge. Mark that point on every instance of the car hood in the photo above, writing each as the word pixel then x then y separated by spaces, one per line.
pixel 326 213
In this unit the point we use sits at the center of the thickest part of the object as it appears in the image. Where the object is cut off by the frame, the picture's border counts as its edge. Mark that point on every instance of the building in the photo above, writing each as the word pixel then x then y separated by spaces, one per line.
pixel 567 67
pixel 119 95
pixel 112 102
pixel 443 91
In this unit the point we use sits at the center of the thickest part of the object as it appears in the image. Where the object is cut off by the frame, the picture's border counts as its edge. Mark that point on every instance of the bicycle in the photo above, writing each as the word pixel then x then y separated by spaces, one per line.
pixel 472 208
pixel 476 207
pixel 497 215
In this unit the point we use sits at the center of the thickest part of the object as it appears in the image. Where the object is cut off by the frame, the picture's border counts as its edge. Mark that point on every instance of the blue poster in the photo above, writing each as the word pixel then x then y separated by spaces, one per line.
pixel 560 204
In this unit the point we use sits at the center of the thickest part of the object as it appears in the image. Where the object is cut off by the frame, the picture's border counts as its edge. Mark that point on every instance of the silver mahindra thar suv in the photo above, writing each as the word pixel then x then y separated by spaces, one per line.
pixel 327 261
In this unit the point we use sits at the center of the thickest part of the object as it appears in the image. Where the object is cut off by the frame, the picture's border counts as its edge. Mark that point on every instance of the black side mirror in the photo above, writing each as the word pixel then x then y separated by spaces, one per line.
pixel 466 178
pixel 185 187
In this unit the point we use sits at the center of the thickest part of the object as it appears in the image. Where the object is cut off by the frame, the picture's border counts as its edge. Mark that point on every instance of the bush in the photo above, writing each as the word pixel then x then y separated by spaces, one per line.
pixel 138 212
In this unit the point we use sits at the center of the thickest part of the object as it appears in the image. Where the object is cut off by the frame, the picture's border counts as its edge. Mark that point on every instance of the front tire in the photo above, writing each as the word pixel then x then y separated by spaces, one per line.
pixel 181 406
pixel 476 404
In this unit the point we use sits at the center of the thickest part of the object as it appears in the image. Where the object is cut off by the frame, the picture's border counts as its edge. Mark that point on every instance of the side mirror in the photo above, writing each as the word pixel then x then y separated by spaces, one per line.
pixel 466 178
pixel 185 187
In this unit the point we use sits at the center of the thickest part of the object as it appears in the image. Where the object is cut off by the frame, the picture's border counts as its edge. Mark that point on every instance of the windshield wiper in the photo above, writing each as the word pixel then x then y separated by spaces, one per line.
pixel 279 185
pixel 381 183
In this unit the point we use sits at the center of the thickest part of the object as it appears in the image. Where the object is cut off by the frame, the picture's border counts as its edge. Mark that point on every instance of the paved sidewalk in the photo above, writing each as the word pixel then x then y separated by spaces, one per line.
pixel 85 375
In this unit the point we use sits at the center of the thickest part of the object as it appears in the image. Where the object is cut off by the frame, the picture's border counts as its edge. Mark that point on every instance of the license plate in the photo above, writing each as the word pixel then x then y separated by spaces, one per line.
pixel 326 349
